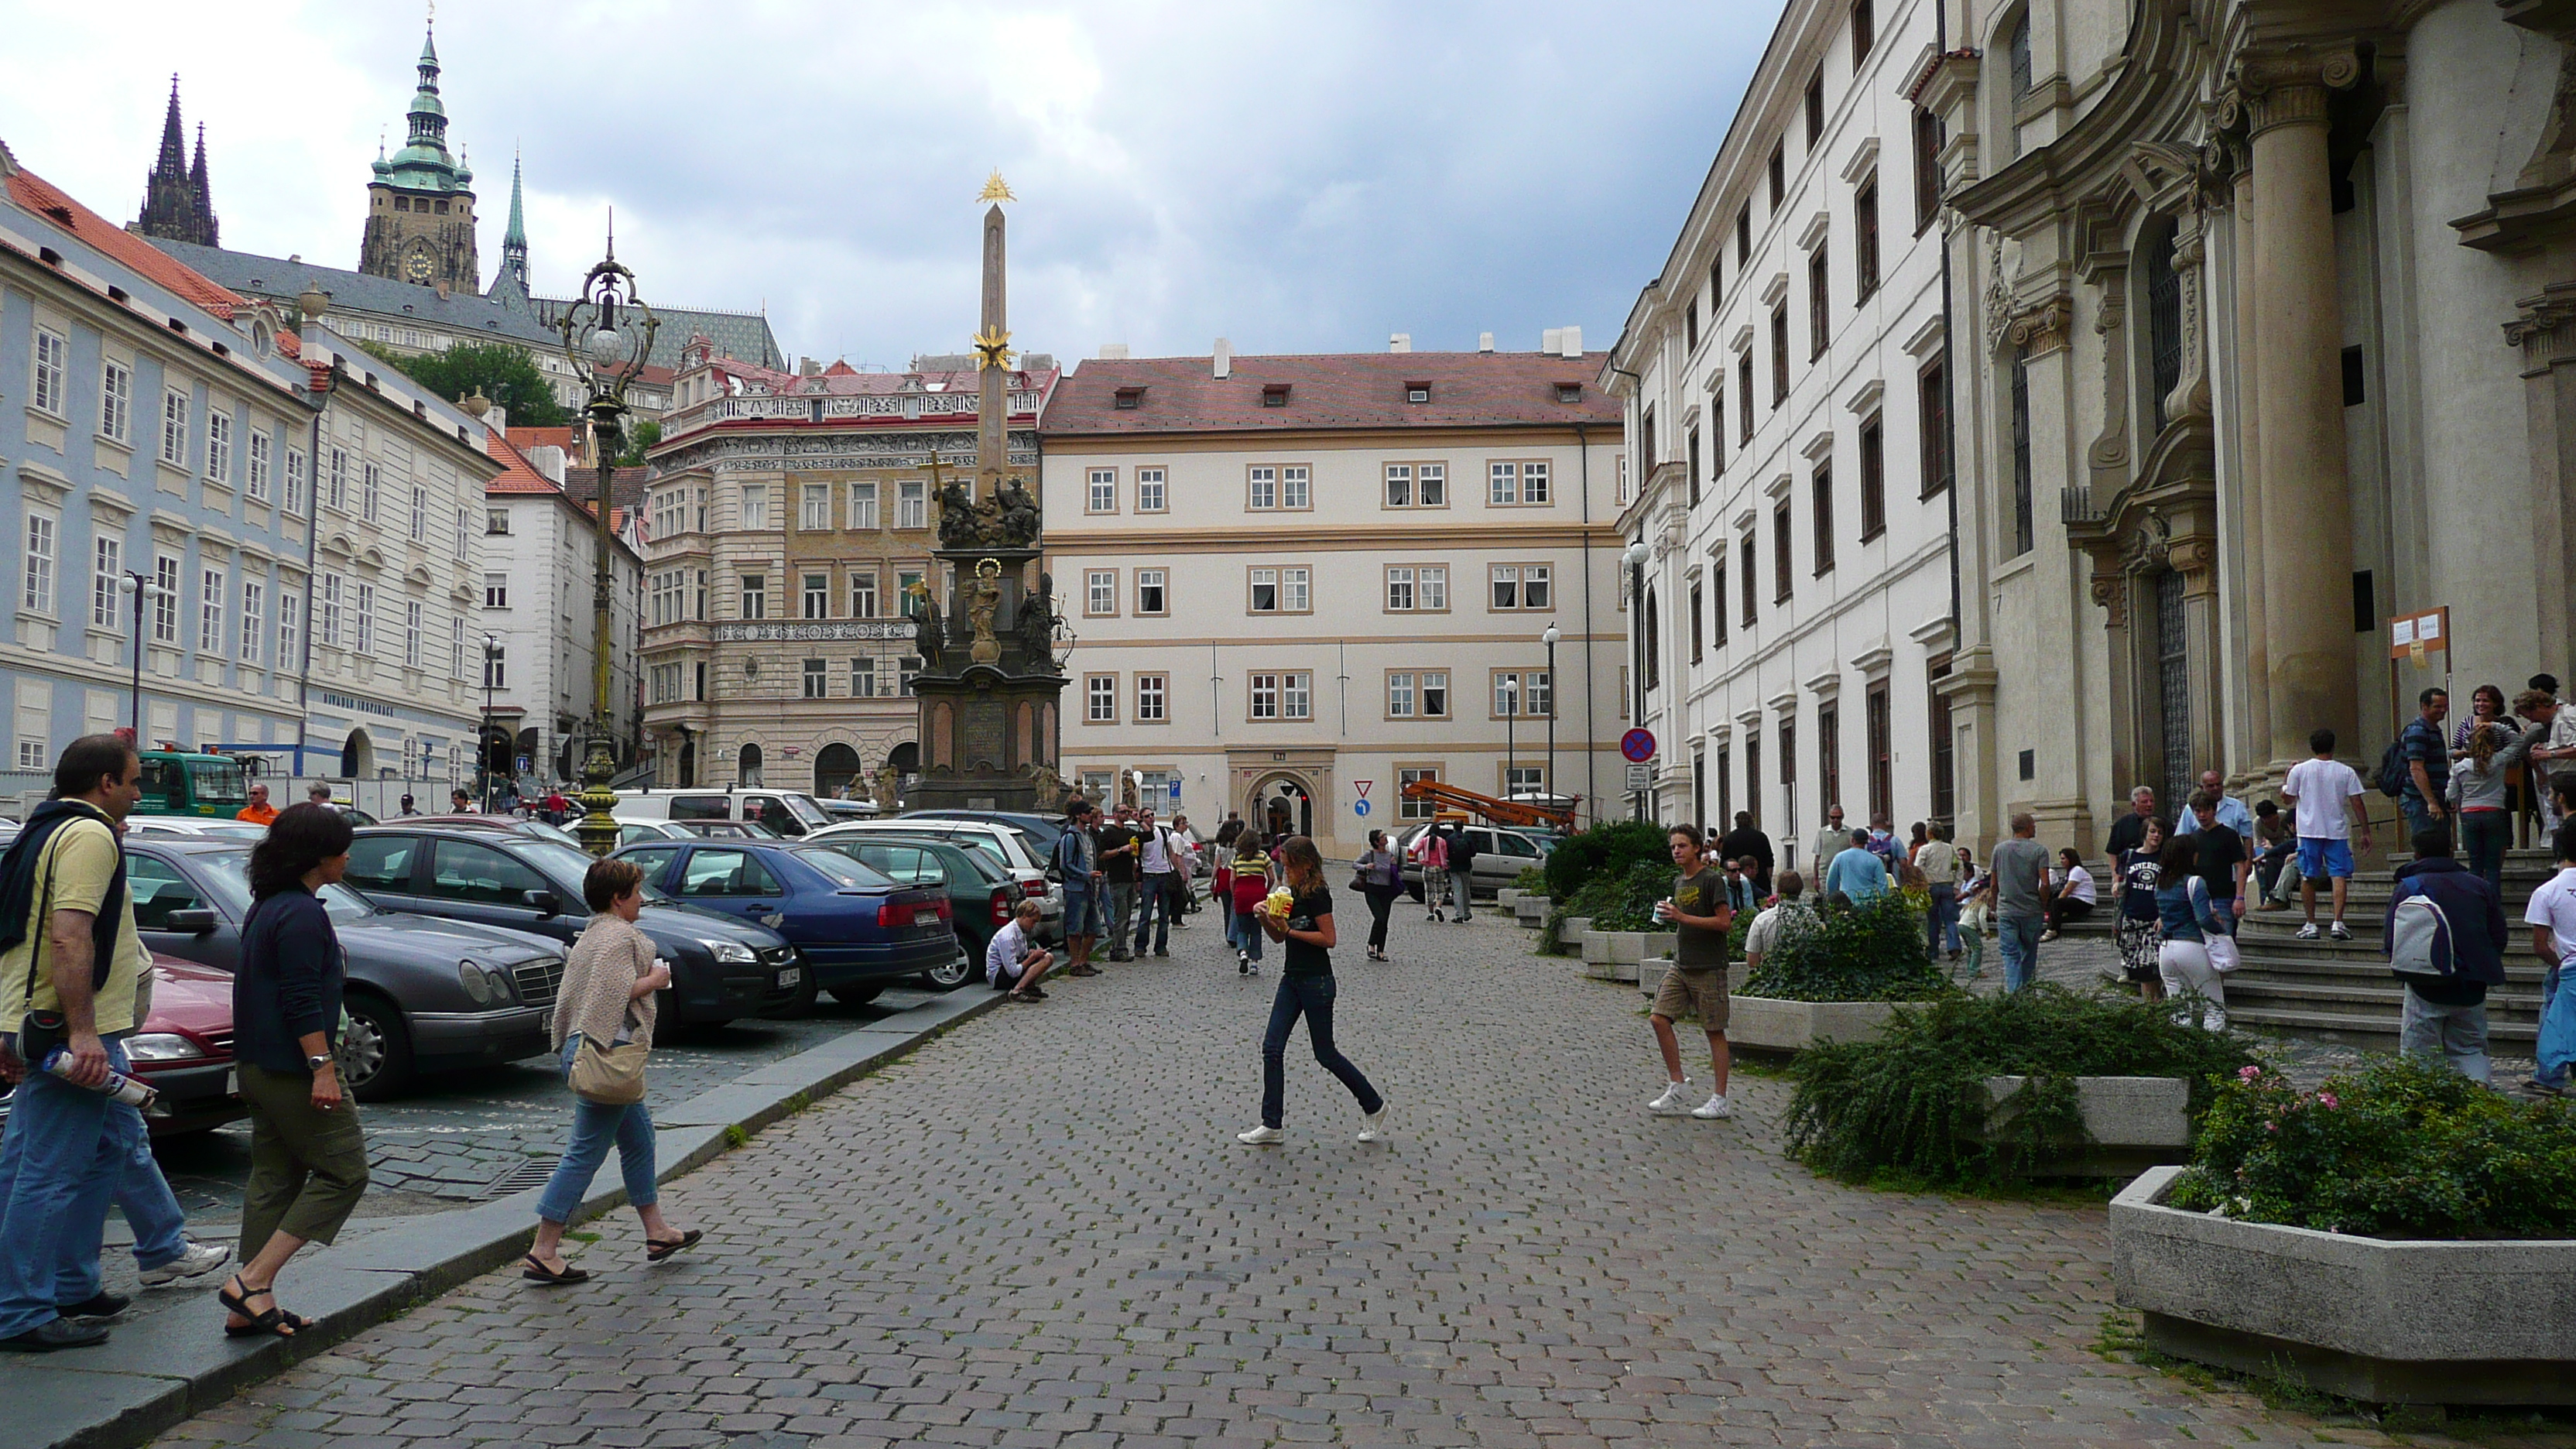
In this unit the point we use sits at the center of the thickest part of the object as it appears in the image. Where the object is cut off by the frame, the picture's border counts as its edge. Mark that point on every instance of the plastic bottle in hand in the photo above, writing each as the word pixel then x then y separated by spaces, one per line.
pixel 131 1090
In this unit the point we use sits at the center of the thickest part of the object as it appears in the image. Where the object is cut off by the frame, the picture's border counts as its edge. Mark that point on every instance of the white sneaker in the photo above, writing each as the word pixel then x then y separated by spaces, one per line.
pixel 1674 1101
pixel 196 1262
pixel 1373 1124
pixel 1260 1137
pixel 2338 932
pixel 2308 932
pixel 1713 1109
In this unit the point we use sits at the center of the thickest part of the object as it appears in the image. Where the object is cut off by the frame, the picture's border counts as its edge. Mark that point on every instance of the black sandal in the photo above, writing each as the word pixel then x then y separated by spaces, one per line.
pixel 655 1251
pixel 276 1322
pixel 537 1272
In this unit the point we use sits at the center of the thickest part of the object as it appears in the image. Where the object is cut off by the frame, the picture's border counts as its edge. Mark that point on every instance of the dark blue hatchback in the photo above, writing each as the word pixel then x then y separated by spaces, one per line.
pixel 856 930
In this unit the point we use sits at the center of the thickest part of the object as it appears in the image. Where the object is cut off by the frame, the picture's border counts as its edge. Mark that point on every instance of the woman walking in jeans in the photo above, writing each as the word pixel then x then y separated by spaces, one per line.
pixel 1306 989
pixel 607 996
pixel 1381 879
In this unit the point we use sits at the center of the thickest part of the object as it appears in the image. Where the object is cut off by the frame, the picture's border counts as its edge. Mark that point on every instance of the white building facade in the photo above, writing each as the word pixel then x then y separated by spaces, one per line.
pixel 540 617
pixel 1788 421
pixel 1301 582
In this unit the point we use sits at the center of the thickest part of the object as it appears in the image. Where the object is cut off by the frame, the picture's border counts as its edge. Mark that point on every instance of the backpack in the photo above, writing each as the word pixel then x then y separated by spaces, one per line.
pixel 2419 939
pixel 2393 775
pixel 1462 853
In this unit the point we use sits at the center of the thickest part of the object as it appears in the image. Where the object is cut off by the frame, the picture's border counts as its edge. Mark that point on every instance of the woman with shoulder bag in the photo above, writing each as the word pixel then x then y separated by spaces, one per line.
pixel 1379 878
pixel 603 1024
pixel 308 1160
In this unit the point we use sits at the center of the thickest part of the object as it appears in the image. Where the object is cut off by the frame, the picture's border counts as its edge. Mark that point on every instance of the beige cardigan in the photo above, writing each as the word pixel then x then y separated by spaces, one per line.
pixel 599 984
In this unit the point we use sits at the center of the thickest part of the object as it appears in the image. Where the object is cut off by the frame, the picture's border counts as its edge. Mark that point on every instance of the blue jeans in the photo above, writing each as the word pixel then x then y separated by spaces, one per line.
pixel 60 1163
pixel 1943 917
pixel 151 1209
pixel 1312 998
pixel 2419 816
pixel 1243 932
pixel 2020 938
pixel 1153 912
pixel 2550 986
pixel 2453 1034
pixel 1121 898
pixel 593 1128
pixel 1081 912
pixel 2484 836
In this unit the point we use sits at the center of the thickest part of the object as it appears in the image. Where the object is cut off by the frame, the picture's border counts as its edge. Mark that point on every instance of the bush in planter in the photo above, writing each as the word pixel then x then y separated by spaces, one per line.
pixel 1624 902
pixel 2404 1148
pixel 1531 880
pixel 1913 1101
pixel 1868 952
pixel 1608 849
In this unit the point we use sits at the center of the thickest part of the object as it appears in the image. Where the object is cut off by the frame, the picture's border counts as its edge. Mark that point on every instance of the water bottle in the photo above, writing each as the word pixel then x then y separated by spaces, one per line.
pixel 131 1090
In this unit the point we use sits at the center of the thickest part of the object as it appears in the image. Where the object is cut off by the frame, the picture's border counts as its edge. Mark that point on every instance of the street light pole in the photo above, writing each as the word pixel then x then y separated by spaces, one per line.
pixel 1511 716
pixel 133 584
pixel 1637 555
pixel 483 747
pixel 1549 638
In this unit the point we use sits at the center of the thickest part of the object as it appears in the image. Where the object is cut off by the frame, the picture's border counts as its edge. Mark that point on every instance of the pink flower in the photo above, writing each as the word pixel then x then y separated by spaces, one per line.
pixel 2249 1073
pixel 2326 1100
pixel 2271 1126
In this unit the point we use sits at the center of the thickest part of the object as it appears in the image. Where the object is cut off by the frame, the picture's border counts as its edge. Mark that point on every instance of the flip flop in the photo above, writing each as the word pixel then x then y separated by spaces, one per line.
pixel 655 1251
pixel 274 1322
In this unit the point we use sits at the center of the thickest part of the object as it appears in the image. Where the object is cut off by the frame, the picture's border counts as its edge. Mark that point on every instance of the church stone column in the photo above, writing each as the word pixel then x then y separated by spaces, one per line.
pixel 2298 325
pixel 2256 737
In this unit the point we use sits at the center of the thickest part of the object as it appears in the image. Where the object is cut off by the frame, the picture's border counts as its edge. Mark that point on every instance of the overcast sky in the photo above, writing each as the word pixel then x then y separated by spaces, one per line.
pixel 1304 177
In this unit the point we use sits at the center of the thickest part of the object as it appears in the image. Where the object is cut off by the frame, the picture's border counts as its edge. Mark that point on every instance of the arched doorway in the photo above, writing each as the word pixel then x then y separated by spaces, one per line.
pixel 357 755
pixel 835 766
pixel 1283 805
pixel 906 758
pixel 747 766
pixel 688 763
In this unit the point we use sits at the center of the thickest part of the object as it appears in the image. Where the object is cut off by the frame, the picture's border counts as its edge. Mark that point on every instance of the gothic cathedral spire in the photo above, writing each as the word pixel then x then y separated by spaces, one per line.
pixel 177 203
pixel 514 240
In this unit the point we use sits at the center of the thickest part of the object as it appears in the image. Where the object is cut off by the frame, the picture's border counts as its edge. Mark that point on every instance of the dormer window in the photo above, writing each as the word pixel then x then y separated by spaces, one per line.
pixel 1130 398
pixel 1274 394
pixel 1418 391
pixel 1569 392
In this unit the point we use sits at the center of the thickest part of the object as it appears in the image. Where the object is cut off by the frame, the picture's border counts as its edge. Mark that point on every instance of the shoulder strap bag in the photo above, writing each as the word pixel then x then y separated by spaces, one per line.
pixel 610 1074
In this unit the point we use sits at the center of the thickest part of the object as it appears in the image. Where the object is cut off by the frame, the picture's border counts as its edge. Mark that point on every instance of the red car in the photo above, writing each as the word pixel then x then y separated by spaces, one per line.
pixel 185 1050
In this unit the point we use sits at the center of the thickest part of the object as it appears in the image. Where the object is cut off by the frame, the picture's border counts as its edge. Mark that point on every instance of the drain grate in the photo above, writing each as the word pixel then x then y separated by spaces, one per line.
pixel 528 1174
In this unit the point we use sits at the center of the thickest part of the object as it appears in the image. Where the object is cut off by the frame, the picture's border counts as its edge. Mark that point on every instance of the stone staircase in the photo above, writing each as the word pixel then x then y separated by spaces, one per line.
pixel 2342 990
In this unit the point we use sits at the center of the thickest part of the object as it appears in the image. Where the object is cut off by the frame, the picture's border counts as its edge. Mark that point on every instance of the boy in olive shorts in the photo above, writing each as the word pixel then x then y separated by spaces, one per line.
pixel 1700 917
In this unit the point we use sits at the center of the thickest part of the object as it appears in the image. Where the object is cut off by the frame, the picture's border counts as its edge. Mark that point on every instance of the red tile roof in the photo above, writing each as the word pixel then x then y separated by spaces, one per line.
pixel 1336 390
pixel 46 200
pixel 525 438
pixel 516 476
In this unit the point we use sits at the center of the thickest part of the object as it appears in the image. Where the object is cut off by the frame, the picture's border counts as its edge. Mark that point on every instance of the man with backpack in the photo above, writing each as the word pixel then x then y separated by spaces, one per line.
pixel 1462 862
pixel 2423 765
pixel 2445 939
pixel 1077 865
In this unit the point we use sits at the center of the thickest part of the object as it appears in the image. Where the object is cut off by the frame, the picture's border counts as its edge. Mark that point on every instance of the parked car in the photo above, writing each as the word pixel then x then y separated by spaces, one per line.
pixel 194 828
pixel 791 813
pixel 841 810
pixel 423 995
pixel 1039 831
pixel 1003 844
pixel 526 825
pixel 1501 856
pixel 855 929
pixel 184 1049
pixel 720 970
pixel 981 893
pixel 631 830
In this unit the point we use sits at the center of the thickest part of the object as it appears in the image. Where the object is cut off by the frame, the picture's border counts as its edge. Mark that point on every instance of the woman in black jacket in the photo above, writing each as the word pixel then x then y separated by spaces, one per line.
pixel 308 1160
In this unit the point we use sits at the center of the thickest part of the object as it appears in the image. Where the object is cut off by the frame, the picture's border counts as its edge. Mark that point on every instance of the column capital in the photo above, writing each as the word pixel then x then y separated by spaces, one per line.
pixel 2286 86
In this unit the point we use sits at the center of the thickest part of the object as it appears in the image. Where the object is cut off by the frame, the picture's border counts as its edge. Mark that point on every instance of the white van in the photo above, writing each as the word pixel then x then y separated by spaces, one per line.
pixel 791 813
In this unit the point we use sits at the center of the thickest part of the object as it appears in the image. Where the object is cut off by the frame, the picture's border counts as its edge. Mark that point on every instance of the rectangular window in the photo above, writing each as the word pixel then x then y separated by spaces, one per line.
pixel 1100 698
pixel 1408 808
pixel 330 628
pixel 814 507
pixel 1399 695
pixel 755 596
pixel 1873 478
pixel 1864 32
pixel 1777 173
pixel 1779 354
pixel 1932 388
pixel 212 587
pixel 1399 589
pixel 1820 293
pixel 419 514
pixel 1829 754
pixel 366 619
pixel 1431 485
pixel 256 483
pixel 116 401
pixel 1152 492
pixel 37 594
pixel 496 666
pixel 1865 239
pixel 1522 587
pixel 414 619
pixel 1151 593
pixel 665 596
pixel 496 591
pixel 294 500
pixel 1432 586
pixel 1780 553
pixel 817 679
pixel 371 487
pixel 1882 772
pixel 1435 693
pixel 1823 493
pixel 1744 398
pixel 1692 453
pixel 1153 692
pixel 907 587
pixel 174 428
pixel 335 485
pixel 863 594
pixel 457 543
pixel 1505 483
pixel 1524 693
pixel 165 603
pixel 1399 485
pixel 1698 635
pixel 496 522
pixel 2023 525
pixel 1690 326
pixel 254 621
pixel 49 393
pixel 219 447
pixel 1294 490
pixel 290 630
pixel 1265 696
pixel 906 670
pixel 911 505
pixel 863 507
pixel 1101 493
pixel 755 506
pixel 1294 592
pixel 1745 557
pixel 1263 488
pixel 1717 432
pixel 1100 592
pixel 1927 169
pixel 1789 768
pixel 863 679
pixel 1743 239
pixel 1717 597
pixel 1945 778
pixel 816 602
pixel 106 571
pixel 1816 108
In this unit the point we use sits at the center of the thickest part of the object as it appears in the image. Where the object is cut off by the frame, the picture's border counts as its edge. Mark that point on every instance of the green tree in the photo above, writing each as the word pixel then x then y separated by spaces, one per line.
pixel 505 373
pixel 640 439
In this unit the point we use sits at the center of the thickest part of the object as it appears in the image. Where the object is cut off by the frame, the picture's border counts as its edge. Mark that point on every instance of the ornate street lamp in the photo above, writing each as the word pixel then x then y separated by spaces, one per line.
pixel 483 748
pixel 607 332
pixel 139 588
pixel 1637 554
pixel 1548 637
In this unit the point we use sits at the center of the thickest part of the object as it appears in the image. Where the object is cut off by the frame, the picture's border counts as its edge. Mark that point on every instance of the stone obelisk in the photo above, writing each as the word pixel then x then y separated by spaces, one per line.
pixel 992 344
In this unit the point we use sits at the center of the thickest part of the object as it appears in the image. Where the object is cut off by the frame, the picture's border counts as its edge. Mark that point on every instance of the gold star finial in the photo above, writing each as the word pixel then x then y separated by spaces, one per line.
pixel 996 189
pixel 992 348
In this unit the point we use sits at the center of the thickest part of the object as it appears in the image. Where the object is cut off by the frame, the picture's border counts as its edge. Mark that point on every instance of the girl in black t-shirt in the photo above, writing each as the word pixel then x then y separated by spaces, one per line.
pixel 2136 930
pixel 1306 989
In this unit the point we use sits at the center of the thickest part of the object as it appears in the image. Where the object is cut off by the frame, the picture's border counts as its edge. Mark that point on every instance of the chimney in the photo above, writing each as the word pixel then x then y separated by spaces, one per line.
pixel 1573 340
pixel 1113 352
pixel 497 418
pixel 1484 342
pixel 1221 361
pixel 1551 342
pixel 1400 342
pixel 548 461
pixel 809 367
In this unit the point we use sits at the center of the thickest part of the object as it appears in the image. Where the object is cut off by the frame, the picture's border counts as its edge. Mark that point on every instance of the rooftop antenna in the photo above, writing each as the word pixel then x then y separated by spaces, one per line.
pixel 612 230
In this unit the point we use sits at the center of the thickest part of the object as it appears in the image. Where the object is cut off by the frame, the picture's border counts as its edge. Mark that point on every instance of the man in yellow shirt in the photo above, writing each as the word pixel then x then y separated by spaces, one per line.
pixel 68 977
pixel 258 811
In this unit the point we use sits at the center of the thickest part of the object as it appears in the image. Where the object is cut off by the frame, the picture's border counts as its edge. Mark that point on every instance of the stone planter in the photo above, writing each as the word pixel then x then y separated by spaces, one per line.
pixel 1506 898
pixel 1629 946
pixel 1532 909
pixel 1768 1024
pixel 2135 1122
pixel 2382 1320
pixel 1632 972
pixel 1569 933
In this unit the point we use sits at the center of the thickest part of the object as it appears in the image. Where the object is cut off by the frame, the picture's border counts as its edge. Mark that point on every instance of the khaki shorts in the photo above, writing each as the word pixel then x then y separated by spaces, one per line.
pixel 1700 992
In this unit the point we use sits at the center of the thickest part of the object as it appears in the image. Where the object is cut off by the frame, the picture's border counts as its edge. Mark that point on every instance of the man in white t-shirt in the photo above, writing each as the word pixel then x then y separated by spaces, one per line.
pixel 2325 799
pixel 1764 933
pixel 2552 918
pixel 1012 961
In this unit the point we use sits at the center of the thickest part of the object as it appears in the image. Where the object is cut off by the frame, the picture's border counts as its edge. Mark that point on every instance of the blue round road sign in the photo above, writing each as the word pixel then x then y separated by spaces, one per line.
pixel 1638 745
pixel 1359 807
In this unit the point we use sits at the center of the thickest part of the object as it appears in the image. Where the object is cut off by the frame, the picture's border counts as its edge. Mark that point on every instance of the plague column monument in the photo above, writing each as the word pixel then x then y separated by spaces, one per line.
pixel 990 682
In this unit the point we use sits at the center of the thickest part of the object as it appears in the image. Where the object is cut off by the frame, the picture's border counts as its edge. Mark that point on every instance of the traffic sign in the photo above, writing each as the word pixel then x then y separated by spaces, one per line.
pixel 1638 745
pixel 1359 807
pixel 1363 787
pixel 1641 778
pixel 1176 789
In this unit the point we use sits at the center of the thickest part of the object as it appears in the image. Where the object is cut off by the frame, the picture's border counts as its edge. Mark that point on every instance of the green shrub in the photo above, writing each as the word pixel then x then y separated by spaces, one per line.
pixel 1607 849
pixel 1624 902
pixel 2404 1148
pixel 1913 1102
pixel 1868 952
pixel 1532 879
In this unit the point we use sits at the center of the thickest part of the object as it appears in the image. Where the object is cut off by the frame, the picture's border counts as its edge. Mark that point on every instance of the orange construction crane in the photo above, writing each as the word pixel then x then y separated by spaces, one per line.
pixel 1501 812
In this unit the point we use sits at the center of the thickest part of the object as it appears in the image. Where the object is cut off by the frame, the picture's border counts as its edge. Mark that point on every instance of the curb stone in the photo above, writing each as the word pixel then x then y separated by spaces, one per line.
pixel 160 1371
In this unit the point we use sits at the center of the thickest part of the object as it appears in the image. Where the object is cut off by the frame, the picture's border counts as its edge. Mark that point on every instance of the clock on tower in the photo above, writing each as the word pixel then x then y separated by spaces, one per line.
pixel 418 265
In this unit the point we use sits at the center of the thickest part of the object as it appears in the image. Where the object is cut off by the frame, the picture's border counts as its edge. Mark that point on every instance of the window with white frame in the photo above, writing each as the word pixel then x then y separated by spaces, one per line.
pixel 906 669
pixel 106 571
pixel 1435 693
pixel 496 666
pixel 815 599
pixel 863 593
pixel 255 483
pixel 37 591
pixel 1153 693
pixel 817 679
pixel 211 590
pixel 1417 587
pixel 1100 699
pixel 461 517
pixel 1294 488
pixel 293 502
pixel 755 505
pixel 290 629
pixel 1399 695
pixel 1100 592
pixel 863 506
pixel 1101 491
pixel 1152 597
pixel 174 428
pixel 116 401
pixel 165 603
pixel 666 596
pixel 254 620
pixel 1417 485
pixel 219 446
pixel 1265 695
pixel 49 394
pixel 366 619
pixel 1517 482
pixel 496 591
pixel 1399 485
pixel 335 482
pixel 1282 590
pixel 907 583
pixel 455 646
pixel 1407 807
pixel 912 504
pixel 419 514
pixel 1522 587
pixel 1289 694
pixel 371 488
pixel 1525 779
pixel 329 629
pixel 863 679
pixel 1262 484
pixel 755 596
pixel 814 507
pixel 1522 692
pixel 1152 492
pixel 415 618
pixel 665 683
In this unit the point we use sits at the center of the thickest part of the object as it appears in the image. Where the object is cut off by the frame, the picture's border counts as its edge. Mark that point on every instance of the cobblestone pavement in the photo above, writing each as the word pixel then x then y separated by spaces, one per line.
pixel 1038 1233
